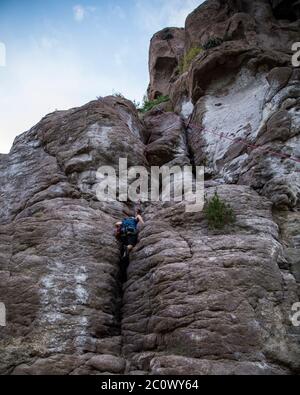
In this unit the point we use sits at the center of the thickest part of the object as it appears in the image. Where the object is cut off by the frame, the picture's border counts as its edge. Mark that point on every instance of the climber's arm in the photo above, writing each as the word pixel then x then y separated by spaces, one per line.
pixel 140 219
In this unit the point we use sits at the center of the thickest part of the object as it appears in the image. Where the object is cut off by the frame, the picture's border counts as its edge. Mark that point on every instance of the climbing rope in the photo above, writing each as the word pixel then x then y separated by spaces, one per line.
pixel 244 142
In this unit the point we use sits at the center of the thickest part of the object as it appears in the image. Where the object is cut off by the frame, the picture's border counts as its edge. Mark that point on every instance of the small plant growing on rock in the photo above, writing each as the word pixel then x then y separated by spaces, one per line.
pixel 212 43
pixel 136 104
pixel 218 213
pixel 149 104
pixel 118 95
pixel 169 107
pixel 188 58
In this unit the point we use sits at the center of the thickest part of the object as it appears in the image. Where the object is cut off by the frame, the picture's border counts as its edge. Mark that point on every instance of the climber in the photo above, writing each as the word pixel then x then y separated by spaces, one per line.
pixel 127 232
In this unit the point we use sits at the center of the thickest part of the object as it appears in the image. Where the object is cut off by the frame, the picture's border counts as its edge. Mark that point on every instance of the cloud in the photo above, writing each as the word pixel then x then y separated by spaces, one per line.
pixel 80 12
pixel 172 13
pixel 60 68
pixel 177 14
pixel 56 79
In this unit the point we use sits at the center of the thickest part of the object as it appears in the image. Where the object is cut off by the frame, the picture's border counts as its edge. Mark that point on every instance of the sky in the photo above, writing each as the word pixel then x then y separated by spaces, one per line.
pixel 59 54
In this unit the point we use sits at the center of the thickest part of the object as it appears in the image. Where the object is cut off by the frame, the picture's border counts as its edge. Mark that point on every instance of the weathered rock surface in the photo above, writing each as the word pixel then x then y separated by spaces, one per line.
pixel 243 20
pixel 250 131
pixel 59 260
pixel 245 89
pixel 196 301
pixel 166 139
pixel 204 302
pixel 166 50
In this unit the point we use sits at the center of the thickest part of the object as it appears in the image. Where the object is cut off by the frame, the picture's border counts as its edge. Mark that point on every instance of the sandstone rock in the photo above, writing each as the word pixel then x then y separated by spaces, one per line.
pixel 199 295
pixel 53 366
pixel 289 223
pixel 244 89
pixel 166 50
pixel 166 139
pixel 197 301
pixel 256 121
pixel 59 261
pixel 187 366
pixel 249 21
pixel 107 363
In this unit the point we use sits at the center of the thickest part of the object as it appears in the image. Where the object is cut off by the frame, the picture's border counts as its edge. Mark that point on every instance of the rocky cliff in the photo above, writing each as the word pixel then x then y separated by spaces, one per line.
pixel 196 301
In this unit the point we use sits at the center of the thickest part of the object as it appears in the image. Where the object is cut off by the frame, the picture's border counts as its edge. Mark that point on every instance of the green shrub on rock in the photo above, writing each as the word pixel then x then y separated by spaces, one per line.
pixel 149 104
pixel 212 43
pixel 188 58
pixel 218 213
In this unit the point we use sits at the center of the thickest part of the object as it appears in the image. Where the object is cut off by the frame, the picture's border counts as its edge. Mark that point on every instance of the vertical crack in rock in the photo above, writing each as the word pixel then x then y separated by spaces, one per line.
pixel 195 301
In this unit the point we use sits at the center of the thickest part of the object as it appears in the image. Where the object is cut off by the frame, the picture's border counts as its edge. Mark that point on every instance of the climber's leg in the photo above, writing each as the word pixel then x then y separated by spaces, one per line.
pixel 132 242
pixel 124 252
pixel 124 243
pixel 129 248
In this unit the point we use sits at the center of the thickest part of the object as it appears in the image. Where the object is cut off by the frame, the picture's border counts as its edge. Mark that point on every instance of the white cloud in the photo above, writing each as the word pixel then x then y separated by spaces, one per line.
pixel 79 13
pixel 172 13
pixel 40 81
pixel 53 72
pixel 177 14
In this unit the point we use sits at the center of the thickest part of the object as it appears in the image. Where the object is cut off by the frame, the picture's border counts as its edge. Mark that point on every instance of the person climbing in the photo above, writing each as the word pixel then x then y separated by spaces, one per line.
pixel 127 232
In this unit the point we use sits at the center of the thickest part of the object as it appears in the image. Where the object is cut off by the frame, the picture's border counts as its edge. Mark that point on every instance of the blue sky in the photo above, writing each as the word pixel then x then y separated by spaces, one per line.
pixel 63 53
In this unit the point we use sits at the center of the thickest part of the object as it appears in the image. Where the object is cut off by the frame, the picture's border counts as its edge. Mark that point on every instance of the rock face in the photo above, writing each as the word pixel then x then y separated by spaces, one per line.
pixel 166 139
pixel 196 301
pixel 244 88
pixel 166 50
pixel 59 259
pixel 204 302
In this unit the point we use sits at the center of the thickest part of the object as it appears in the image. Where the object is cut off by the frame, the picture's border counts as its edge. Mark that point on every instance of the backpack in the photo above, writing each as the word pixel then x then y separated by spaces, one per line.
pixel 129 225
